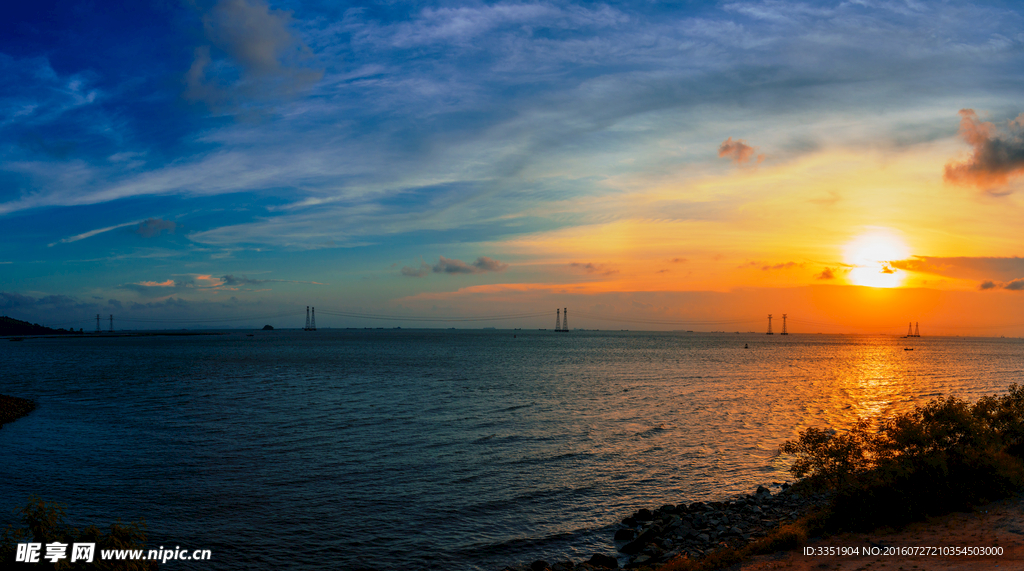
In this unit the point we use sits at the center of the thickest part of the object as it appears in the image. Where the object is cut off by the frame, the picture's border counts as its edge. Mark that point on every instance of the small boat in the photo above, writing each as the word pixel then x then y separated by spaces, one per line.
pixel 908 348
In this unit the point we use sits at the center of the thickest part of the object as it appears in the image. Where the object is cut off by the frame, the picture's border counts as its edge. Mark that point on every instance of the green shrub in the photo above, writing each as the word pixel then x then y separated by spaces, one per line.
pixel 945 455
pixel 44 522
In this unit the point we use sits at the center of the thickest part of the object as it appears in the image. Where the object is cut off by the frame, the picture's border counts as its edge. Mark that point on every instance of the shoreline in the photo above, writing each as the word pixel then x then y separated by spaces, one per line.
pixel 651 538
pixel 13 408
pixel 997 524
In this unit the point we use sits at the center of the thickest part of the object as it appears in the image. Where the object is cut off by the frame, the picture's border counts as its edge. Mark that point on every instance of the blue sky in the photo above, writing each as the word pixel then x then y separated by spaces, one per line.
pixel 212 160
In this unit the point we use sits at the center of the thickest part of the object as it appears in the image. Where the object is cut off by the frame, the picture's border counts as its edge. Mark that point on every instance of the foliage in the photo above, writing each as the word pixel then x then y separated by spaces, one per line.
pixel 948 454
pixel 44 522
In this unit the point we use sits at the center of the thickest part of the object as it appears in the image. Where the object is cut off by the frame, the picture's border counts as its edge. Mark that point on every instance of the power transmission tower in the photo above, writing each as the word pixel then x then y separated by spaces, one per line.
pixel 111 322
pixel 312 320
pixel 558 320
pixel 917 330
pixel 770 324
pixel 97 323
pixel 306 328
pixel 565 319
pixel 784 325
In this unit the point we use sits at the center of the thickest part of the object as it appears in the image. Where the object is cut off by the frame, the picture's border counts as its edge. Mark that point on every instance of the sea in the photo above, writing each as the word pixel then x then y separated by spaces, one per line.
pixel 438 449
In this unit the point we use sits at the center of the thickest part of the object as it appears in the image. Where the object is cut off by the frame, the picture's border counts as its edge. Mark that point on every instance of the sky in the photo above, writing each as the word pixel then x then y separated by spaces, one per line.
pixel 646 165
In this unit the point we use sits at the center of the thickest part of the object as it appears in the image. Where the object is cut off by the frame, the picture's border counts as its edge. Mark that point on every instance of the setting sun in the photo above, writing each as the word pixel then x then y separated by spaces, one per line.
pixel 870 255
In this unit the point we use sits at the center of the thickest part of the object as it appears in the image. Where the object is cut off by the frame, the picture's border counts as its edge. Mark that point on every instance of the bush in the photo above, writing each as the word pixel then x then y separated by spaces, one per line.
pixel 946 455
pixel 44 523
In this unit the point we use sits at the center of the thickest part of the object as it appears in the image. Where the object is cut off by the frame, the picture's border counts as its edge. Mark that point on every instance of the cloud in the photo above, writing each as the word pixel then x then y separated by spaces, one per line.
pixel 826 274
pixel 738 151
pixel 114 303
pixel 592 268
pixel 11 300
pixel 996 156
pixel 91 233
pixel 485 264
pixel 482 264
pixel 419 272
pixel 262 58
pixel 974 268
pixel 230 280
pixel 886 269
pixel 987 284
pixel 785 266
pixel 153 227
pixel 1015 285
pixel 158 289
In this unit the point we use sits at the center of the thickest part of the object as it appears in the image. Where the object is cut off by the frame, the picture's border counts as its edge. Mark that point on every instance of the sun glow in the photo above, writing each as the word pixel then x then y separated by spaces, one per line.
pixel 870 254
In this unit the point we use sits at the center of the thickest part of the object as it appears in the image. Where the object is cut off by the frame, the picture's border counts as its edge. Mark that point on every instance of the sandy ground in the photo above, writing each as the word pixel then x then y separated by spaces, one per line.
pixel 1000 524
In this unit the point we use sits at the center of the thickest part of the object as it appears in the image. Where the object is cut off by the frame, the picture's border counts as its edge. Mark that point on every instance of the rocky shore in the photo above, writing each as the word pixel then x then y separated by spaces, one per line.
pixel 13 408
pixel 649 538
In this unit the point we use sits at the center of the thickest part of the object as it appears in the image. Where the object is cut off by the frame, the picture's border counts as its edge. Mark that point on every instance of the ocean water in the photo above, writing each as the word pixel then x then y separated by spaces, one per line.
pixel 438 449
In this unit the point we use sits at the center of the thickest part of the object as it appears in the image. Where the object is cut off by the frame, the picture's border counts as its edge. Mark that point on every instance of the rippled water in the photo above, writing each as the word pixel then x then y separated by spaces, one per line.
pixel 438 449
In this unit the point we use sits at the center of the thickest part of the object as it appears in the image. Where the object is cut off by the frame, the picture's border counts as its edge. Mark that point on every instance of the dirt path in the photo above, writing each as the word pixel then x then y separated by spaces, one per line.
pixel 999 525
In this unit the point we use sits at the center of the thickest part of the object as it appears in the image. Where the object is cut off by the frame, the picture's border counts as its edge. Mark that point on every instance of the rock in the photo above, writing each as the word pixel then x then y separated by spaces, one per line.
pixel 644 515
pixel 704 537
pixel 602 560
pixel 539 565
pixel 268 327
pixel 625 534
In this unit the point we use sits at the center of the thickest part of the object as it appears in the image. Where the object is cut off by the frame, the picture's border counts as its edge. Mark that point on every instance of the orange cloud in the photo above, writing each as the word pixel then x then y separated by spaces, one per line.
pixel 738 151
pixel 996 156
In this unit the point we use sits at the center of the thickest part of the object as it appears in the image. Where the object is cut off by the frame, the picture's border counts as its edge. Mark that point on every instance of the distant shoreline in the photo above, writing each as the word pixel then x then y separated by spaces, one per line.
pixel 125 334
pixel 13 408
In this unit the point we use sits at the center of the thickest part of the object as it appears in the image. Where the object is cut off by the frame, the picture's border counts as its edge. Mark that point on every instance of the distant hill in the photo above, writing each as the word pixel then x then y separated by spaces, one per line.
pixel 11 326
pixel 268 327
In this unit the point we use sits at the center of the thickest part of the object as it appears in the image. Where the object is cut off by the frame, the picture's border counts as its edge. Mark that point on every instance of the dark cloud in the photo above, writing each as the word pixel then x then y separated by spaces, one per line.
pixel 987 284
pixel 252 52
pixel 482 264
pixel 1015 285
pixel 826 274
pixel 175 302
pixel 887 270
pixel 996 157
pixel 154 226
pixel 979 268
pixel 230 280
pixel 114 303
pixel 738 152
pixel 592 268
pixel 419 272
pixel 679 260
pixel 10 300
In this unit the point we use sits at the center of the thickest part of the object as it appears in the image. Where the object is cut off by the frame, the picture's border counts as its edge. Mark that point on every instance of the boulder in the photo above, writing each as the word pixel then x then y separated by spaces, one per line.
pixel 602 560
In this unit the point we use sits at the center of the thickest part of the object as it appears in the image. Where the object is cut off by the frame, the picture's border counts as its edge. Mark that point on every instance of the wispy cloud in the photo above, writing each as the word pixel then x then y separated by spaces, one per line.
pixel 92 233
